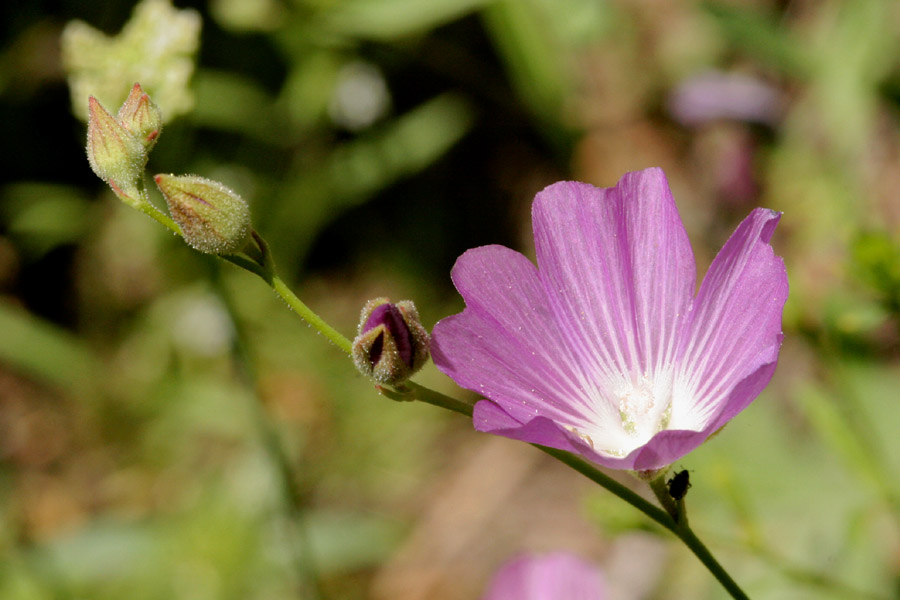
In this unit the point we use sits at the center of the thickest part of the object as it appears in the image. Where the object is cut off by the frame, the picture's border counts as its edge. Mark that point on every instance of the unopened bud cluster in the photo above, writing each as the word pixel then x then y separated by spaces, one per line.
pixel 212 218
pixel 118 147
pixel 391 344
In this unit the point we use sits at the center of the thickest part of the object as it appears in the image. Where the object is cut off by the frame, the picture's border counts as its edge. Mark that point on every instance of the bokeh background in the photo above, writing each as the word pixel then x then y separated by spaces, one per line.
pixel 142 385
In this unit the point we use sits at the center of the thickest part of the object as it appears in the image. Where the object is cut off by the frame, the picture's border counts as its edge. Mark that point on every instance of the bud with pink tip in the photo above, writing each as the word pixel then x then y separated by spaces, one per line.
pixel 392 344
pixel 141 117
pixel 116 155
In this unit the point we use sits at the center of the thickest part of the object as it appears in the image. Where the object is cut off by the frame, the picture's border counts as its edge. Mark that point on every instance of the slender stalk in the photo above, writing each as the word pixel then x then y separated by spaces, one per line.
pixel 155 214
pixel 686 534
pixel 658 485
pixel 259 260
pixel 144 205
pixel 434 398
pixel 611 485
pixel 297 305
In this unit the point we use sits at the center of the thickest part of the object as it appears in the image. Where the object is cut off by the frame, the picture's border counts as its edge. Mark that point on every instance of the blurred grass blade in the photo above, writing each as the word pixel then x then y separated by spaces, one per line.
pixel 534 58
pixel 41 216
pixel 760 37
pixel 231 102
pixel 412 143
pixel 359 169
pixel 826 418
pixel 389 19
pixel 43 350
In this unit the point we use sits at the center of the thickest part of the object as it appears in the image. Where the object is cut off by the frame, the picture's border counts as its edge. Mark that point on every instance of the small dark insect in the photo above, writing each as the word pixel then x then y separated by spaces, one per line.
pixel 679 484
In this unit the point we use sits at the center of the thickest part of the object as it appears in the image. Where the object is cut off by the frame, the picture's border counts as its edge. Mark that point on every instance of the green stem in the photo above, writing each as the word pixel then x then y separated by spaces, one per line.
pixel 157 215
pixel 143 204
pixel 305 313
pixel 434 398
pixel 686 534
pixel 661 491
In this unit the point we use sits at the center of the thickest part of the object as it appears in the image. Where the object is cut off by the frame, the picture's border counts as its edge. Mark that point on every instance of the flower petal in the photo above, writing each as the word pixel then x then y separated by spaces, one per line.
pixel 557 576
pixel 665 448
pixel 488 417
pixel 618 267
pixel 504 345
pixel 619 274
pixel 731 341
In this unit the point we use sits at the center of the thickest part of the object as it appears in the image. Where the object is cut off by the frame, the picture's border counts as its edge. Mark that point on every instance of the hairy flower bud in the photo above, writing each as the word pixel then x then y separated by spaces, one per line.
pixel 116 155
pixel 391 344
pixel 213 218
pixel 141 117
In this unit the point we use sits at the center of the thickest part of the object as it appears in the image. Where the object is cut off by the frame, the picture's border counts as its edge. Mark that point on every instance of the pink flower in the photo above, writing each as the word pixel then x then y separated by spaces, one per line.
pixel 604 350
pixel 557 576
pixel 716 95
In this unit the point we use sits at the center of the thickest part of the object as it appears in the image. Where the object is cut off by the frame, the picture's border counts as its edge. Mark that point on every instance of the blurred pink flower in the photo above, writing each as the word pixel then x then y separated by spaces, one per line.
pixel 558 576
pixel 715 95
pixel 604 350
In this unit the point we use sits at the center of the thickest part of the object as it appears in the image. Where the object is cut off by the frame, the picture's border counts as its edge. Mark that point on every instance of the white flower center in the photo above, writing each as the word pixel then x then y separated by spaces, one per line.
pixel 645 406
pixel 645 403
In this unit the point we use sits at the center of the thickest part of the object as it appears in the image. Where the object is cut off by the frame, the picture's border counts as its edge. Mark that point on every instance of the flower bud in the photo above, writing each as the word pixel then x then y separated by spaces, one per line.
pixel 141 117
pixel 213 218
pixel 391 344
pixel 115 154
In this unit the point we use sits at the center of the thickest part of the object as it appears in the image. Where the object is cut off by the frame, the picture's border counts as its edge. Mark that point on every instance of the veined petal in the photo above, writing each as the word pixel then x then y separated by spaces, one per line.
pixel 731 341
pixel 619 274
pixel 488 417
pixel 504 345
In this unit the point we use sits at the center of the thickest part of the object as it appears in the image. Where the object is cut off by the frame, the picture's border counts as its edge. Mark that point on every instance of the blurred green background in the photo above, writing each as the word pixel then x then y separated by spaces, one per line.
pixel 375 141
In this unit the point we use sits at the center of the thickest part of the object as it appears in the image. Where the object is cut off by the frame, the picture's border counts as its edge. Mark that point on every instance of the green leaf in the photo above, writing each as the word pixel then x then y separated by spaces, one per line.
pixel 534 57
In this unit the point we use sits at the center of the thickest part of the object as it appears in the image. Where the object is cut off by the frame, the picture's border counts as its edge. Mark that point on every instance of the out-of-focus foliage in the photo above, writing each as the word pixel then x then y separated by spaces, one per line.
pixel 155 48
pixel 375 140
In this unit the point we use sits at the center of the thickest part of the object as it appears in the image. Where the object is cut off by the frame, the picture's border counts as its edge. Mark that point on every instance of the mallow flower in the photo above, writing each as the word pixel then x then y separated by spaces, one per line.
pixel 556 576
pixel 603 349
